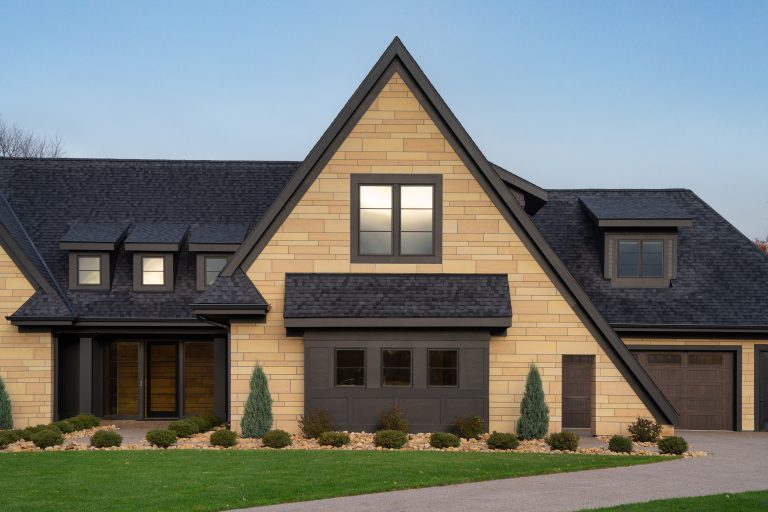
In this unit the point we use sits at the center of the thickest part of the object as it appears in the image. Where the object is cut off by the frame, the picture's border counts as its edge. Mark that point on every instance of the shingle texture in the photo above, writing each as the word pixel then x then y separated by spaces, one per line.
pixel 396 296
pixel 721 280
pixel 106 232
pixel 237 290
pixel 218 233
pixel 49 197
pixel 157 233
pixel 43 305
pixel 634 207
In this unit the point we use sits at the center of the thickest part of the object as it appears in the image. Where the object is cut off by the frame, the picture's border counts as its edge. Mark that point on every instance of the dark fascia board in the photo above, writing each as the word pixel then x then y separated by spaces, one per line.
pixel 213 247
pixel 520 183
pixel 692 329
pixel 645 223
pixel 150 247
pixel 397 59
pixel 486 323
pixel 87 246
pixel 38 321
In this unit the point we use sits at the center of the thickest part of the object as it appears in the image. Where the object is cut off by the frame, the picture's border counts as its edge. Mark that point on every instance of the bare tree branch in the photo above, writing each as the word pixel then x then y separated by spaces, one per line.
pixel 16 142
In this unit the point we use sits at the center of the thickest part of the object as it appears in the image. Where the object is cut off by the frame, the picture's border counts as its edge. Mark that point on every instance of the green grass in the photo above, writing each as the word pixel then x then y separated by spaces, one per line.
pixel 740 502
pixel 219 480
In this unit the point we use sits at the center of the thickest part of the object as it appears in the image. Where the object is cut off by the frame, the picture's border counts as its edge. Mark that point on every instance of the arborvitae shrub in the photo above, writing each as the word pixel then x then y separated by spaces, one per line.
pixel 620 444
pixel 315 422
pixel 257 418
pixel 390 438
pixel 224 438
pixel 393 419
pixel 564 441
pixel 444 440
pixel 162 438
pixel 673 444
pixel 502 441
pixel 336 439
pixel 469 427
pixel 644 430
pixel 106 439
pixel 183 428
pixel 534 413
pixel 276 439
pixel 46 438
pixel 6 418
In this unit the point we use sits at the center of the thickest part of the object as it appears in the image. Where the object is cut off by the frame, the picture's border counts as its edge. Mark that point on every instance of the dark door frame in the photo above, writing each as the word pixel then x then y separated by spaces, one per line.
pixel 761 376
pixel 735 349
pixel 591 365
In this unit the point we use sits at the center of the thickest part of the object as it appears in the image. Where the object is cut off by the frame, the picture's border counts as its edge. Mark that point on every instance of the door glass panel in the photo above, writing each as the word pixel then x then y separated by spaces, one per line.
pixel 198 378
pixel 123 379
pixel 161 379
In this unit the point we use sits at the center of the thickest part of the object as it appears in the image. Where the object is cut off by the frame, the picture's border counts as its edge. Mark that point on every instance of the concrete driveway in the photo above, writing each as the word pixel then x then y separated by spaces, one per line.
pixel 737 462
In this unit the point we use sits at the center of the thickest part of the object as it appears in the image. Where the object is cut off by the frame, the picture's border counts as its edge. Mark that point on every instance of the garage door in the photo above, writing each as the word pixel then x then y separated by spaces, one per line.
pixel 699 385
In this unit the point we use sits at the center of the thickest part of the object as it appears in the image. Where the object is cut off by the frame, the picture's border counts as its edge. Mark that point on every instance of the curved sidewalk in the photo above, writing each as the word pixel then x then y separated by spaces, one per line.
pixel 737 462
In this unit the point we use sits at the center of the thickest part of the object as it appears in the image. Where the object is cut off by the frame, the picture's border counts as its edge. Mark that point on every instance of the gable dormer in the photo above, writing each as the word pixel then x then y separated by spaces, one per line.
pixel 92 249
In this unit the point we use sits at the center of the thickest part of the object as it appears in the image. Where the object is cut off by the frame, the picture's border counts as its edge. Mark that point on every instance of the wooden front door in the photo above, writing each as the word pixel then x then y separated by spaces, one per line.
pixel 162 379
pixel 577 391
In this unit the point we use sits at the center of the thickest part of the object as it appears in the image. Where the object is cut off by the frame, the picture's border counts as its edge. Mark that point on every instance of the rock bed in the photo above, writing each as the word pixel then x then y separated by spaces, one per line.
pixel 359 441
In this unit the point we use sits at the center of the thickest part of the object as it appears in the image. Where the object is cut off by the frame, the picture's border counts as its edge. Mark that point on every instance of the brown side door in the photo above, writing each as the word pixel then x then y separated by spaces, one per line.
pixel 577 391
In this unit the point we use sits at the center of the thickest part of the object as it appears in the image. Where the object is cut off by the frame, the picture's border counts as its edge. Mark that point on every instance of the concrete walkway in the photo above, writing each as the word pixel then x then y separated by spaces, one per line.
pixel 737 462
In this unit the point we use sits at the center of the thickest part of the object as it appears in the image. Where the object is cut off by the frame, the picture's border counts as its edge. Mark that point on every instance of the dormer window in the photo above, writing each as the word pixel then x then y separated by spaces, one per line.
pixel 153 272
pixel 640 258
pixel 88 271
pixel 209 266
pixel 91 247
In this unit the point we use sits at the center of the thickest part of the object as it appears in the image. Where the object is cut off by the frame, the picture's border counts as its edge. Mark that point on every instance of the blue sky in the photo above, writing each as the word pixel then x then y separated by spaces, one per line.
pixel 566 94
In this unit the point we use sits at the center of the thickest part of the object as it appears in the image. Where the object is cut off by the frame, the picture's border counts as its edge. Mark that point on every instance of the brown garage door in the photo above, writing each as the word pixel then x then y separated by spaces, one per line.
pixel 699 385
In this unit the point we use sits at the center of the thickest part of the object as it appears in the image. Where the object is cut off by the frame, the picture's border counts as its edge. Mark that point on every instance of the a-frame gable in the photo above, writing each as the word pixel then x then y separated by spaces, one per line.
pixel 397 60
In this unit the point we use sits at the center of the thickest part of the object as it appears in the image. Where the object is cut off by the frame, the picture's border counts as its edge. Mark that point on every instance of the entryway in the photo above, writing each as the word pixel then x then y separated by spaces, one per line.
pixel 577 391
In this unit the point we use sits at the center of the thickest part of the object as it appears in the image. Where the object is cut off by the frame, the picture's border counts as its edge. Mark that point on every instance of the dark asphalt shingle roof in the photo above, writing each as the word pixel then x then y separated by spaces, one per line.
pixel 157 233
pixel 634 207
pixel 86 232
pixel 218 233
pixel 236 289
pixel 721 280
pixel 44 305
pixel 396 296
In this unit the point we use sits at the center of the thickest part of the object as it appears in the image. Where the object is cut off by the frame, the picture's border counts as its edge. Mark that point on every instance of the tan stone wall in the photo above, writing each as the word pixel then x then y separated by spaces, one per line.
pixel 747 367
pixel 397 136
pixel 26 359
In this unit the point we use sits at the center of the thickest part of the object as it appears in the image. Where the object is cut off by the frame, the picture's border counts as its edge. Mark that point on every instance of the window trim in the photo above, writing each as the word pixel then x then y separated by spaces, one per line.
pixel 429 367
pixel 336 366
pixel 168 273
pixel 396 180
pixel 74 267
pixel 200 266
pixel 669 259
pixel 410 367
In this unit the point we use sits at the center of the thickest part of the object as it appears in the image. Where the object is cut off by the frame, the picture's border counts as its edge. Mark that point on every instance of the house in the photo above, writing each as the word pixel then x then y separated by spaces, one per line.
pixel 395 263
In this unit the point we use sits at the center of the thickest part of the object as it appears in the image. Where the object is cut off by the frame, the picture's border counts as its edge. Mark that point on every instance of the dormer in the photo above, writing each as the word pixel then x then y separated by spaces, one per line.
pixel 640 237
pixel 214 245
pixel 155 248
pixel 92 249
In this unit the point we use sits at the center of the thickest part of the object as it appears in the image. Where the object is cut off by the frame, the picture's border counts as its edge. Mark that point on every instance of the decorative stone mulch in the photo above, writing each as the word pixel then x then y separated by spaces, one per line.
pixel 359 441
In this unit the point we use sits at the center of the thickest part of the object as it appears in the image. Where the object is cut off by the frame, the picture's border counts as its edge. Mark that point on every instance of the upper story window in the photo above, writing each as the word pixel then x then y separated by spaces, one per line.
pixel 209 266
pixel 153 272
pixel 641 260
pixel 89 271
pixel 396 218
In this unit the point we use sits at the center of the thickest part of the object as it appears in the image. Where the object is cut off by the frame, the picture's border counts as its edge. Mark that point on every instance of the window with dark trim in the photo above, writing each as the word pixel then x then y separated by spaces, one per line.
pixel 443 367
pixel 396 367
pixel 350 367
pixel 209 266
pixel 396 218
pixel 153 272
pixel 641 260
pixel 89 271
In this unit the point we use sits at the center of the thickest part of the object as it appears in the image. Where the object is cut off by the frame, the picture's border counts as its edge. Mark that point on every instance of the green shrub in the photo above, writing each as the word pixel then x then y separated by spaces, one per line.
pixel 469 427
pixel 161 438
pixel 213 420
pixel 46 438
pixel 6 418
pixel 257 417
pixel 29 433
pixel 8 437
pixel 534 413
pixel 502 441
pixel 564 441
pixel 183 428
pixel 84 421
pixel 336 439
pixel 315 422
pixel 673 444
pixel 276 439
pixel 224 438
pixel 203 425
pixel 645 431
pixel 106 439
pixel 76 423
pixel 390 438
pixel 444 440
pixel 620 444
pixel 64 426
pixel 393 419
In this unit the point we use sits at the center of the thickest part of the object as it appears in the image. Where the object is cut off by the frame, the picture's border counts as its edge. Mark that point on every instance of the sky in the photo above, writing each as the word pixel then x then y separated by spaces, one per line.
pixel 575 94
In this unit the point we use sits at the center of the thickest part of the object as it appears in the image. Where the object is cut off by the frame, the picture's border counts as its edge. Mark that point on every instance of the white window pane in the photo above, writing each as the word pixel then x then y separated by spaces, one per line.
pixel 375 243
pixel 416 196
pixel 210 277
pixel 416 243
pixel 215 264
pixel 416 220
pixel 375 196
pixel 89 263
pixel 152 264
pixel 89 277
pixel 375 220
pixel 152 278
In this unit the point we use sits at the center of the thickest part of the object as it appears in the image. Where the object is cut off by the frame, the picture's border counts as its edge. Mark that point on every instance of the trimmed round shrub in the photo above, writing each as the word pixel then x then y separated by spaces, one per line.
pixel 645 431
pixel 620 444
pixel 469 427
pixel 673 444
pixel 106 439
pixel 213 420
pixel 276 439
pixel 29 433
pixel 64 426
pixel 502 441
pixel 77 423
pixel 47 438
pixel 444 440
pixel 315 422
pixel 8 437
pixel 86 420
pixel 183 428
pixel 394 439
pixel 203 425
pixel 335 439
pixel 224 438
pixel 393 419
pixel 563 441
pixel 162 438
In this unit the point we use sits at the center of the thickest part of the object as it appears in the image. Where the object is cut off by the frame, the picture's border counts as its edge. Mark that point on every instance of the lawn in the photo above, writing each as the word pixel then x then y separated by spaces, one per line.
pixel 740 502
pixel 219 480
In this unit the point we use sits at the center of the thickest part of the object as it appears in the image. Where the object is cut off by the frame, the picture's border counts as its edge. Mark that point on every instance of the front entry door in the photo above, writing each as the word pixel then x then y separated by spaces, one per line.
pixel 161 381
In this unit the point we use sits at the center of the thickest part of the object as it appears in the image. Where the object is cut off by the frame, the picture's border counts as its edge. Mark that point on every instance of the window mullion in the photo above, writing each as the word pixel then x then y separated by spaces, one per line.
pixel 396 220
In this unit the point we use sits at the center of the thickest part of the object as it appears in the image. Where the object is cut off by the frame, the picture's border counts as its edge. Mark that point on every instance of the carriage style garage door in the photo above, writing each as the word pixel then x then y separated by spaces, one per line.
pixel 700 385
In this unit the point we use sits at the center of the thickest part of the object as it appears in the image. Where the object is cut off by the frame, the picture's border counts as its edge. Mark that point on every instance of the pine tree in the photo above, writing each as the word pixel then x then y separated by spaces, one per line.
pixel 6 420
pixel 257 419
pixel 534 413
